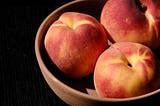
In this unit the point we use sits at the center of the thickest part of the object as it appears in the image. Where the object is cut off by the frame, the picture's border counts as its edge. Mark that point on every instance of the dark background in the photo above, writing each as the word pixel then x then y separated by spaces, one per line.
pixel 21 81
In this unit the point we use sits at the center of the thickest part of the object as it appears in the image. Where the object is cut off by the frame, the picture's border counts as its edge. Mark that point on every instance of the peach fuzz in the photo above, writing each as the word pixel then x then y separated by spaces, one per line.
pixel 133 20
pixel 124 70
pixel 74 42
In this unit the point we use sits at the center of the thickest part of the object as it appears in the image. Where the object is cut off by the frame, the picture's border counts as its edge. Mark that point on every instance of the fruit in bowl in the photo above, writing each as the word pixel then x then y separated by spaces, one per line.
pixel 133 20
pixel 74 42
pixel 78 91
pixel 124 70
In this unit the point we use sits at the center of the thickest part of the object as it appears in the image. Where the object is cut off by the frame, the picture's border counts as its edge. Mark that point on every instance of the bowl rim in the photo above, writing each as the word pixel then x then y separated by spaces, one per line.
pixel 70 89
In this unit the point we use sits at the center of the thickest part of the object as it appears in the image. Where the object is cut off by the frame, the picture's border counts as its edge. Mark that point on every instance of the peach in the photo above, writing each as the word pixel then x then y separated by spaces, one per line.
pixel 74 42
pixel 124 70
pixel 132 20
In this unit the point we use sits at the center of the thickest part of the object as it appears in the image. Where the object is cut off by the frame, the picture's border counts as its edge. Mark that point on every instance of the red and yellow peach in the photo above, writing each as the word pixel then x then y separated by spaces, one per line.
pixel 124 70
pixel 74 42
pixel 133 20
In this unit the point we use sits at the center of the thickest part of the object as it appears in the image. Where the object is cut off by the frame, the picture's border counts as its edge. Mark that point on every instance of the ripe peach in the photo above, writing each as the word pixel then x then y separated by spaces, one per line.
pixel 133 20
pixel 74 42
pixel 124 70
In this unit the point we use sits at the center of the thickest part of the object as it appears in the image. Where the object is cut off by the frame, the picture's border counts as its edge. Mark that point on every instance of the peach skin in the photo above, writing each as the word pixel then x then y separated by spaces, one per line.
pixel 133 20
pixel 124 70
pixel 74 42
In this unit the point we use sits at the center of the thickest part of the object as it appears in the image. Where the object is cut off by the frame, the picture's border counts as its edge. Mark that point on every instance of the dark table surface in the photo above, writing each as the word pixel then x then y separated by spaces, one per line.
pixel 21 81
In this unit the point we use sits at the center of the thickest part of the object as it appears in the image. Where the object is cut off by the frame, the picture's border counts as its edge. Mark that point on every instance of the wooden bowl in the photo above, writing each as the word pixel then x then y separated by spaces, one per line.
pixel 79 91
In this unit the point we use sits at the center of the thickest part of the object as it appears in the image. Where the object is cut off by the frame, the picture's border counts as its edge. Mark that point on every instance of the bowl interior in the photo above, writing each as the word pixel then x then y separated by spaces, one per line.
pixel 83 85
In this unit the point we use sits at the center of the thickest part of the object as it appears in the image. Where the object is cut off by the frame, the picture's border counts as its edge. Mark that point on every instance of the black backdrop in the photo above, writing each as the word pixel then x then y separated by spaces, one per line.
pixel 21 81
